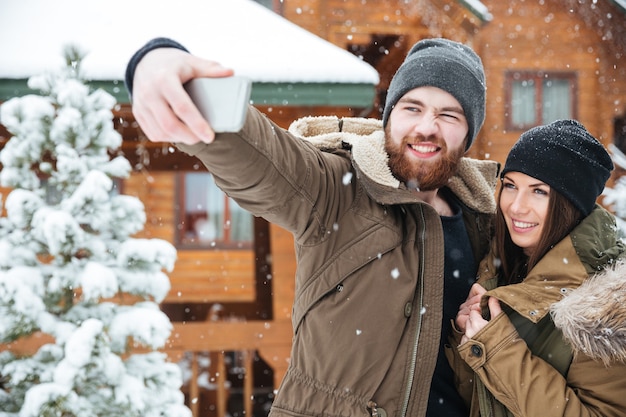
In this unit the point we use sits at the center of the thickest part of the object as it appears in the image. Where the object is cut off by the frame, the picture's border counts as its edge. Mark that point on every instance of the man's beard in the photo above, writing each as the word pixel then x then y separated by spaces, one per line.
pixel 425 176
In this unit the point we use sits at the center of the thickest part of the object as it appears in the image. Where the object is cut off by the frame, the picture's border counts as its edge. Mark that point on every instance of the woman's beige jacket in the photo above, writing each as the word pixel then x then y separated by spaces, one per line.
pixel 560 349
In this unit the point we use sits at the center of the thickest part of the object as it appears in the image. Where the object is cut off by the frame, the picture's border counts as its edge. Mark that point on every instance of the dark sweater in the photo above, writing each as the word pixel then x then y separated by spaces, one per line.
pixel 459 275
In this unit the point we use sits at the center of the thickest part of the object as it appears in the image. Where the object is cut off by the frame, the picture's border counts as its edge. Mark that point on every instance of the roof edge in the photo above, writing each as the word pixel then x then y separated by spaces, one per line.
pixel 357 95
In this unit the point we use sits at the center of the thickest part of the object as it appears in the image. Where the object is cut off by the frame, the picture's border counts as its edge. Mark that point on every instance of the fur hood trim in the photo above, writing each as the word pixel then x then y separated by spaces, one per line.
pixel 593 316
pixel 474 183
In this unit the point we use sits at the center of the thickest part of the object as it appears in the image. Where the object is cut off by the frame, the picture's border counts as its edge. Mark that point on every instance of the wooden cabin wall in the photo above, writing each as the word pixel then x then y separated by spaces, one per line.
pixel 546 35
pixel 346 22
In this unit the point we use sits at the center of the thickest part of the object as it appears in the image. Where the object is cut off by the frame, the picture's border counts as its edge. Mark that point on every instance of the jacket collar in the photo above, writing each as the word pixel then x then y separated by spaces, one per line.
pixel 474 184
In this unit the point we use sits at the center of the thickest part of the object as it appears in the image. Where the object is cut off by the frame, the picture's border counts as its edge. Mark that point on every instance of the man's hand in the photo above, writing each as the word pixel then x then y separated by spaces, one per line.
pixel 161 105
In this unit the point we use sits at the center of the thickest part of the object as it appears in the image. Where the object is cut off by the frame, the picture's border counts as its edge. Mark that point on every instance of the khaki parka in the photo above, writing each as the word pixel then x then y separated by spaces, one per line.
pixel 369 282
pixel 560 349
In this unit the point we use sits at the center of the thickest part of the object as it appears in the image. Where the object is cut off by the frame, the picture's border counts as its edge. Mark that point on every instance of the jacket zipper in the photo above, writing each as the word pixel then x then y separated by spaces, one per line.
pixel 407 392
pixel 485 403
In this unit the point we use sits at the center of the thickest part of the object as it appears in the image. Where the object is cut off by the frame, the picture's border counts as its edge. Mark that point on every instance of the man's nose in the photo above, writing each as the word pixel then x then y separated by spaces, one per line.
pixel 427 126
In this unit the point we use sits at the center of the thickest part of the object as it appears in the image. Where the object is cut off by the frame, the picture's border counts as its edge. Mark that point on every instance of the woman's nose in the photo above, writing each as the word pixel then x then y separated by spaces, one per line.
pixel 520 203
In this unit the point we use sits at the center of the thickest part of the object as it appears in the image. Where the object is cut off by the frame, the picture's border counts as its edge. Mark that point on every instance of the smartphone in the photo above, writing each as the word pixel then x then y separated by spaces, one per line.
pixel 222 101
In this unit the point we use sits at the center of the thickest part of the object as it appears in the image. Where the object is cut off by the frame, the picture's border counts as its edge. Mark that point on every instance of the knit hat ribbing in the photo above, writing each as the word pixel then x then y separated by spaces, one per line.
pixel 450 66
pixel 564 155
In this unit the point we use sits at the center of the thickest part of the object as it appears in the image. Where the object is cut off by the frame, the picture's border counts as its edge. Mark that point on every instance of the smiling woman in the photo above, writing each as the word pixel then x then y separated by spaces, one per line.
pixel 550 237
pixel 574 184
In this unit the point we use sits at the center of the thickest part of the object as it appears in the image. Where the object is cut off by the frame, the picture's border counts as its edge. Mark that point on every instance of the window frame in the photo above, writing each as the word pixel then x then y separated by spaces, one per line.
pixel 183 225
pixel 539 77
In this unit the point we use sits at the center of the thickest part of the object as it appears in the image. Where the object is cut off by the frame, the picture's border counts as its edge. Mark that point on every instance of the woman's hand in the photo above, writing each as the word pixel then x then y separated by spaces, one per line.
pixel 161 105
pixel 471 304
pixel 475 321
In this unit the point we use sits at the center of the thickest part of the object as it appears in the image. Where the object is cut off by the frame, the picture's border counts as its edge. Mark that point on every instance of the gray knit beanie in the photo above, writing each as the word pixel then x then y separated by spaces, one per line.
pixel 564 155
pixel 445 64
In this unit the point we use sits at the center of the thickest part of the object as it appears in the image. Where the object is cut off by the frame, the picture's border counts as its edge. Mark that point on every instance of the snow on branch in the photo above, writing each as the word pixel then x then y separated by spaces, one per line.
pixel 68 256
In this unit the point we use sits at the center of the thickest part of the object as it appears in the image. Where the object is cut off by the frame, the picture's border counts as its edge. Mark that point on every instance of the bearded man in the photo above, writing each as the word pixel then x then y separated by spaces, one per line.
pixel 385 258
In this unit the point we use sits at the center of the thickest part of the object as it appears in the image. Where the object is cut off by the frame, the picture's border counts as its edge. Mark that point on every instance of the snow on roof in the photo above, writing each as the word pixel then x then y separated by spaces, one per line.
pixel 240 34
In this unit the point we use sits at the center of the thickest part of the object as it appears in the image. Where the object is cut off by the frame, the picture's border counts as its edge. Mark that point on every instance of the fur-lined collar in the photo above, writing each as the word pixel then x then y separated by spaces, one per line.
pixel 474 183
pixel 593 317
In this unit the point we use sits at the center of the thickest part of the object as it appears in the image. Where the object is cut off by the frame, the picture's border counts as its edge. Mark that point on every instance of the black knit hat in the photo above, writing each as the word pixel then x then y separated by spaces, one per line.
pixel 445 64
pixel 564 155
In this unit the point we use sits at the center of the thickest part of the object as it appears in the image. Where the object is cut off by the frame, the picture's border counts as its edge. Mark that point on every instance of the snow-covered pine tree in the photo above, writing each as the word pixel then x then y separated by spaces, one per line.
pixel 67 258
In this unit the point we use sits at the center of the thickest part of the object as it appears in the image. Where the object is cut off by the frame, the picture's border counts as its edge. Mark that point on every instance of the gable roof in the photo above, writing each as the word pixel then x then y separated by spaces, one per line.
pixel 287 64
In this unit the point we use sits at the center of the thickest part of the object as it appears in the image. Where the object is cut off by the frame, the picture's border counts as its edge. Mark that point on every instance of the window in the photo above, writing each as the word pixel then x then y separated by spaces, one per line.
pixel 208 217
pixel 537 98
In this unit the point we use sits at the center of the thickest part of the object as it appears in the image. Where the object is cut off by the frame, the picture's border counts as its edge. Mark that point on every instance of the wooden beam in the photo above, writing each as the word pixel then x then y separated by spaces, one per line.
pixel 229 336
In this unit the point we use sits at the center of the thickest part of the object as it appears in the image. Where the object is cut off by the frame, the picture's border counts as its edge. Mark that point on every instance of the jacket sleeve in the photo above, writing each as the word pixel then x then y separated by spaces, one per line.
pixel 280 177
pixel 529 387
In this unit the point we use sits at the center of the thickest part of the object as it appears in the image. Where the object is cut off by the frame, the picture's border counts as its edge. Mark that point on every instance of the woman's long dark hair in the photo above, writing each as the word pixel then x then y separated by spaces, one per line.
pixel 561 218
